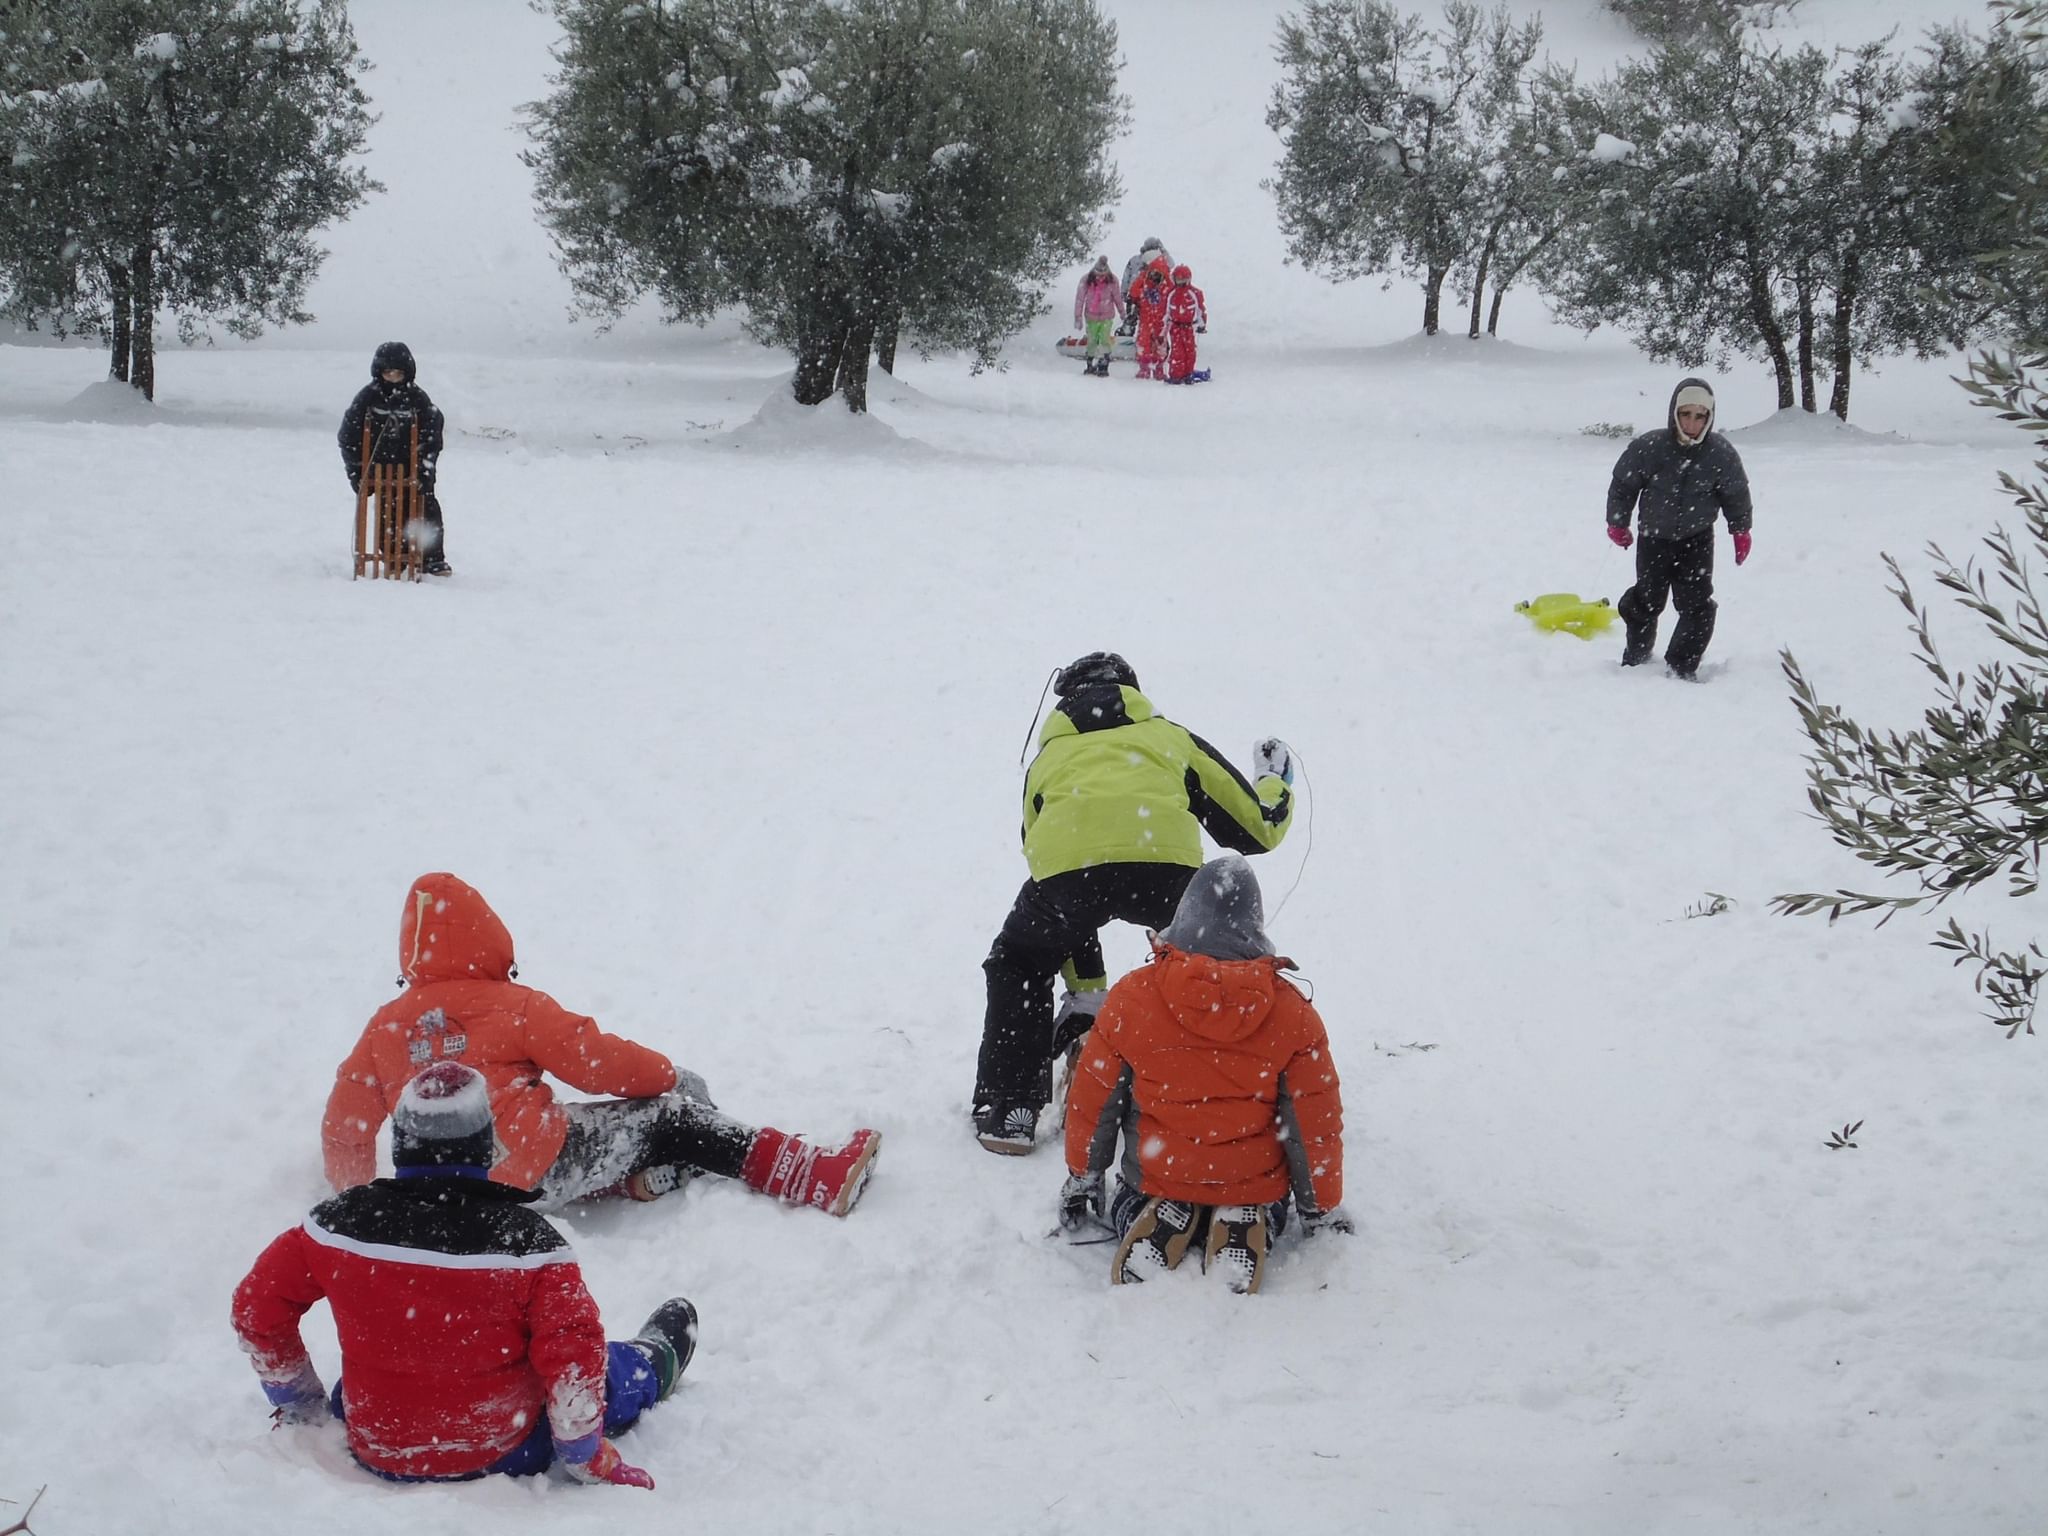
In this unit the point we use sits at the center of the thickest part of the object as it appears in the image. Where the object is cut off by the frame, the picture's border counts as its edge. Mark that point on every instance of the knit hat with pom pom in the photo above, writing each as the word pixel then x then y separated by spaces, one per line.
pixel 443 1121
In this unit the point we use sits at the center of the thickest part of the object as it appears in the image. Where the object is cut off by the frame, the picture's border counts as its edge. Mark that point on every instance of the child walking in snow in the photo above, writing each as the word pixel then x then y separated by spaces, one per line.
pixel 1187 316
pixel 1676 481
pixel 461 1003
pixel 469 1343
pixel 1216 1073
pixel 1098 300
pixel 1148 299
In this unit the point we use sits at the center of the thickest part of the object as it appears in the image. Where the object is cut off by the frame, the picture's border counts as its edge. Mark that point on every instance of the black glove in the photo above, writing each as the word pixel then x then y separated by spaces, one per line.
pixel 1081 1201
pixel 1314 1221
pixel 355 479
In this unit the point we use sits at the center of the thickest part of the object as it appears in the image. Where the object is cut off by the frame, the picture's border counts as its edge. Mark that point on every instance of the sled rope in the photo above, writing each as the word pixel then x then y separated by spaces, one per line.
pixel 1302 868
pixel 1028 735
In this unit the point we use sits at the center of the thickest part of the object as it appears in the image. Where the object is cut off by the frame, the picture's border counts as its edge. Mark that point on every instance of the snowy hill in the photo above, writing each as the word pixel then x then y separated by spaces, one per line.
pixel 722 713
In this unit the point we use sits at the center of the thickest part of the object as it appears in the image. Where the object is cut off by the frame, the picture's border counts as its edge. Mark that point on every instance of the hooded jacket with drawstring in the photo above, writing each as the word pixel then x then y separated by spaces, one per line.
pixel 391 411
pixel 460 1004
pixel 1675 489
pixel 1209 1064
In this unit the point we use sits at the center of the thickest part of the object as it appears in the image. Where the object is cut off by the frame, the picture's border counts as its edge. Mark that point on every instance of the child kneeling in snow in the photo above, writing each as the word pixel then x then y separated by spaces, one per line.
pixel 1217 1074
pixel 461 1003
pixel 469 1343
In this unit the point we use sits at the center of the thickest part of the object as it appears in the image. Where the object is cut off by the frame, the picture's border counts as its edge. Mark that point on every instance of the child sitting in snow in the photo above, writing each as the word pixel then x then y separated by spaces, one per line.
pixel 462 1004
pixel 469 1343
pixel 1216 1073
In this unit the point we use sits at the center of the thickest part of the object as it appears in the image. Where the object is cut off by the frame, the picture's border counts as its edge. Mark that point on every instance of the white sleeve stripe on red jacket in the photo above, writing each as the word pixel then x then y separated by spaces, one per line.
pixel 393 1253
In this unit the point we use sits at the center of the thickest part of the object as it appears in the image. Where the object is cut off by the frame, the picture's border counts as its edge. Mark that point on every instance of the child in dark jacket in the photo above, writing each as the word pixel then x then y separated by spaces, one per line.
pixel 1682 477
pixel 391 405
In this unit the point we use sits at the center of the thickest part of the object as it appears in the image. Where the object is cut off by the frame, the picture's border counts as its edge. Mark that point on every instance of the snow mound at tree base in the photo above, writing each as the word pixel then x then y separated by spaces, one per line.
pixel 1806 428
pixel 109 400
pixel 782 424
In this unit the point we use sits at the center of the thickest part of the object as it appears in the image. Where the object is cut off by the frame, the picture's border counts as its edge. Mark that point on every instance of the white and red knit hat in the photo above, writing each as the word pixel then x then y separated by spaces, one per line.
pixel 443 1119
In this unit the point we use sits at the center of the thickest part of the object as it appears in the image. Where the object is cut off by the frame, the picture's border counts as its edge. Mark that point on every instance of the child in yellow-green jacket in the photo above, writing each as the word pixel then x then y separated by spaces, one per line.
pixel 1115 805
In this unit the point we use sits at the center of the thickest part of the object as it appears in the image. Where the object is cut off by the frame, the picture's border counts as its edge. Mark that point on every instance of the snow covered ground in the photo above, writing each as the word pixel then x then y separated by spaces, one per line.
pixel 722 712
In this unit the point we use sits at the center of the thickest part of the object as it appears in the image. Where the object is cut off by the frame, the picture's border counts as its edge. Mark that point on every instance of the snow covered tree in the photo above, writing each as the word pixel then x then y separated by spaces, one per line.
pixel 1813 210
pixel 1395 139
pixel 1694 240
pixel 1545 184
pixel 851 171
pixel 1666 20
pixel 1962 800
pixel 172 155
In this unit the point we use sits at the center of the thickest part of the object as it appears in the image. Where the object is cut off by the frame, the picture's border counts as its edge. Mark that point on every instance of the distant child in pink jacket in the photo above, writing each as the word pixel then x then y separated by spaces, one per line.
pixel 1098 305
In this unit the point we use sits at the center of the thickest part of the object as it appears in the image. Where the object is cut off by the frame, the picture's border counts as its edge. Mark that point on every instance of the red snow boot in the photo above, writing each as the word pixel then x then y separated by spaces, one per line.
pixel 793 1170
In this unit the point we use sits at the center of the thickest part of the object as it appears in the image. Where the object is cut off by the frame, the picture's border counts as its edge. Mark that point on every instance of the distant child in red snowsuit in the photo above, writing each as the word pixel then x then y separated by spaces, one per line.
pixel 1148 295
pixel 1186 317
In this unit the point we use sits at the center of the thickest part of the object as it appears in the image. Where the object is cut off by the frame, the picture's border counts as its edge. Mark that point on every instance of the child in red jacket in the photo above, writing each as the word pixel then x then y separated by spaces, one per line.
pixel 461 1003
pixel 1148 297
pixel 469 1343
pixel 1216 1074
pixel 1187 316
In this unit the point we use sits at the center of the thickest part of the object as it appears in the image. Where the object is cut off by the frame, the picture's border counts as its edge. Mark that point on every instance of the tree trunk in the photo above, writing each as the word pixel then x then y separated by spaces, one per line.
pixel 1432 299
pixel 1479 282
pixel 117 280
pixel 142 371
pixel 853 365
pixel 1493 313
pixel 1806 400
pixel 1844 338
pixel 817 366
pixel 1763 314
pixel 885 341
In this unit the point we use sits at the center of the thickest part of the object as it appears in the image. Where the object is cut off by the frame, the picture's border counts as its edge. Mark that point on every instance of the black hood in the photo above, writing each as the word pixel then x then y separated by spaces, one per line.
pixel 392 354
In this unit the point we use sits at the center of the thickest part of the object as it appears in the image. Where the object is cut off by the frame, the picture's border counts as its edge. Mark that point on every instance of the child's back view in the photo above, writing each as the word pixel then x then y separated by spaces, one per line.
pixel 1217 1074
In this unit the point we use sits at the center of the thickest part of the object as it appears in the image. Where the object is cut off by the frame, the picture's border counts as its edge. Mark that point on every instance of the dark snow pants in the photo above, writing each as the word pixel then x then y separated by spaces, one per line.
pixel 1682 569
pixel 611 1139
pixel 435 546
pixel 1053 920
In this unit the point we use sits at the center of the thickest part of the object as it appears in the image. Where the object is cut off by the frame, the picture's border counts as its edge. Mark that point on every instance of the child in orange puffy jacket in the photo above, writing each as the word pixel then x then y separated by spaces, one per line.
pixel 461 1004
pixel 1216 1073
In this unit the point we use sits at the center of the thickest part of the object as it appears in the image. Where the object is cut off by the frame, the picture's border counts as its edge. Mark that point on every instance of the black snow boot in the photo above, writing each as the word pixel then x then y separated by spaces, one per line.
pixel 670 1338
pixel 1007 1128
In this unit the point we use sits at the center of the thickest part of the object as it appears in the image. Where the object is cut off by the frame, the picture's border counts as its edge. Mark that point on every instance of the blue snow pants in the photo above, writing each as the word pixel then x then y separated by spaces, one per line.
pixel 630 1389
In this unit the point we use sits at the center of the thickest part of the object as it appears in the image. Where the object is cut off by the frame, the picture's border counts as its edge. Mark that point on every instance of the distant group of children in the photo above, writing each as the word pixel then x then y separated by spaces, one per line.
pixel 1156 303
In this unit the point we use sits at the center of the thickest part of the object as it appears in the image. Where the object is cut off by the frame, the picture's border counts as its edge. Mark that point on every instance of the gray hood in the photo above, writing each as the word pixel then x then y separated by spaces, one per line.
pixel 1221 913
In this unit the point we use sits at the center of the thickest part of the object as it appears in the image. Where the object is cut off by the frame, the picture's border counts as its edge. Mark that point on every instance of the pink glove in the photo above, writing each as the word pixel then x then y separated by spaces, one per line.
pixel 1623 538
pixel 608 1466
pixel 1742 546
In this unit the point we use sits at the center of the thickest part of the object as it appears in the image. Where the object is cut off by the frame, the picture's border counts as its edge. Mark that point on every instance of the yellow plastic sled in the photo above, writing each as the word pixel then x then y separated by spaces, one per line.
pixel 1569 612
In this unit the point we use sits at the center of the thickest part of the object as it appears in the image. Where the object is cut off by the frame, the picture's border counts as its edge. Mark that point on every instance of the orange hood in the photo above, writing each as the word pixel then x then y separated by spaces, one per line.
pixel 449 933
pixel 1221 1000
